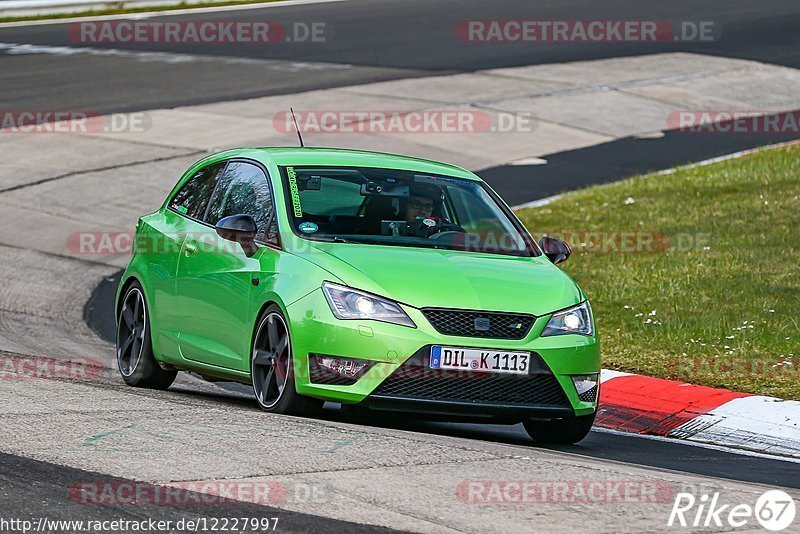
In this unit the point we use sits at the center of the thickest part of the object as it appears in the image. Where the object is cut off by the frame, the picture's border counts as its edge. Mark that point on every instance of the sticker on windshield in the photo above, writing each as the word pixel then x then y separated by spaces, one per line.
pixel 429 222
pixel 295 194
pixel 308 227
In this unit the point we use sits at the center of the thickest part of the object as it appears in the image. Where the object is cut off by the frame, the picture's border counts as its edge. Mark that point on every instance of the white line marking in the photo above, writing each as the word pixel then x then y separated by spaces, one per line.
pixel 547 200
pixel 608 374
pixel 760 423
pixel 537 203
pixel 168 57
pixel 529 161
pixel 739 452
pixel 726 157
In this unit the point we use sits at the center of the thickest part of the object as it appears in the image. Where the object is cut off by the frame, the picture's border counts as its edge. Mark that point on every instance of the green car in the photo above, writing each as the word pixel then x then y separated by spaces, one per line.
pixel 380 282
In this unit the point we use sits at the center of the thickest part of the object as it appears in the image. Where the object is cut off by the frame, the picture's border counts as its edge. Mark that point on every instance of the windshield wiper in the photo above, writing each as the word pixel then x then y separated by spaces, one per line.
pixel 332 239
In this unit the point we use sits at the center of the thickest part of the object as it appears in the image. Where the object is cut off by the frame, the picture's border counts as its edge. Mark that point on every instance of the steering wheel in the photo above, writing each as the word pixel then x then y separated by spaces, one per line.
pixel 446 230
pixel 430 227
pixel 447 226
pixel 445 235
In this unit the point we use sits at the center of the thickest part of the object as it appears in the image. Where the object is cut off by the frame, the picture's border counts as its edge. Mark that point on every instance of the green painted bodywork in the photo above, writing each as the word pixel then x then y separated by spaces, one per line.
pixel 204 307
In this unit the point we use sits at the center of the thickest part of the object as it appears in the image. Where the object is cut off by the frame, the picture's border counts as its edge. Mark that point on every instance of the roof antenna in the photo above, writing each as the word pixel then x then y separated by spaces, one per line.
pixel 297 128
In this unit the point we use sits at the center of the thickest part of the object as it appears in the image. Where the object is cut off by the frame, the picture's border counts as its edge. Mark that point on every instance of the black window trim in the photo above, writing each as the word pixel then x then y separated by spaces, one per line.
pixel 214 191
pixel 273 216
pixel 526 235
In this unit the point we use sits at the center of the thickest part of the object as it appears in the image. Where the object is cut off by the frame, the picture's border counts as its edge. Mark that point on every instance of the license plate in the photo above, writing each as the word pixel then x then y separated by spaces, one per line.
pixel 480 360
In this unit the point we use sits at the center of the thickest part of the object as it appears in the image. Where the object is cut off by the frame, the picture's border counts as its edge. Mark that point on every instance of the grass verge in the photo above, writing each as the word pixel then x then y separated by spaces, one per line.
pixel 124 10
pixel 695 275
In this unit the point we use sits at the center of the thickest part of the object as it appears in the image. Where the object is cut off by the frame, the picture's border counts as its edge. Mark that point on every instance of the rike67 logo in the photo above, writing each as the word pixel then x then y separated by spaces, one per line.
pixel 774 510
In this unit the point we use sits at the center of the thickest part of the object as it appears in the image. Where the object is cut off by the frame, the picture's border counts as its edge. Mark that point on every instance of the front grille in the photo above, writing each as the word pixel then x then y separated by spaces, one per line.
pixel 588 396
pixel 468 323
pixel 415 380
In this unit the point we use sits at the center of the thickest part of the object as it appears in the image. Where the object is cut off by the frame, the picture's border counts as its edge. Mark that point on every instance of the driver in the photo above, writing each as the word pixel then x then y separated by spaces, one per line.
pixel 421 202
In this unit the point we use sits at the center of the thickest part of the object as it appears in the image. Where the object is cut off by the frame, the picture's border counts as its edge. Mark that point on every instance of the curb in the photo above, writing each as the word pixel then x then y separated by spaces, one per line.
pixel 658 407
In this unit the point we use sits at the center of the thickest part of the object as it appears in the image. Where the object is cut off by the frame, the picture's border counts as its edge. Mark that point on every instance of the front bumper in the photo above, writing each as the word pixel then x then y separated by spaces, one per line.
pixel 400 380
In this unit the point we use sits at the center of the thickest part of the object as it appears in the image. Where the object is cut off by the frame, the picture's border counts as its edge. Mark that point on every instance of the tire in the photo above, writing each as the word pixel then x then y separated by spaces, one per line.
pixel 272 368
pixel 560 431
pixel 135 359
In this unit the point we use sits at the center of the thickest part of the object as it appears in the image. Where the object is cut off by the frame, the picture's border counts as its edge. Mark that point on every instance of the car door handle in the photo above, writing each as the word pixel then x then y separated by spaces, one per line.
pixel 190 247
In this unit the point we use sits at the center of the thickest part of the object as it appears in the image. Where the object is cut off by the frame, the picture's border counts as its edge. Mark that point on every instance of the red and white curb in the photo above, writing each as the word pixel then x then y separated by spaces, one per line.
pixel 653 406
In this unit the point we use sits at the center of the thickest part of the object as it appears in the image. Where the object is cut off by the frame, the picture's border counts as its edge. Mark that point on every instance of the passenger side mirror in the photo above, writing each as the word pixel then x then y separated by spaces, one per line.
pixel 556 250
pixel 240 229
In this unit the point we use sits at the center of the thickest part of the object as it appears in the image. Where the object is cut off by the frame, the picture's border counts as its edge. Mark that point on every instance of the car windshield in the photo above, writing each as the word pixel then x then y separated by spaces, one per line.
pixel 400 208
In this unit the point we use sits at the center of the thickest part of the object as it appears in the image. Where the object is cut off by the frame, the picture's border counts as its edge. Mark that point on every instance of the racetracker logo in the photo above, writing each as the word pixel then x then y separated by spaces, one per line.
pixel 71 122
pixel 177 493
pixel 213 492
pixel 16 367
pixel 630 242
pixel 734 363
pixel 452 121
pixel 763 122
pixel 197 32
pixel 586 31
pixel 564 491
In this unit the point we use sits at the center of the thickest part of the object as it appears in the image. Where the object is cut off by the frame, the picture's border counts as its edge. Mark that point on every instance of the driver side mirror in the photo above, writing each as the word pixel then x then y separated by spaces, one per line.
pixel 556 250
pixel 240 229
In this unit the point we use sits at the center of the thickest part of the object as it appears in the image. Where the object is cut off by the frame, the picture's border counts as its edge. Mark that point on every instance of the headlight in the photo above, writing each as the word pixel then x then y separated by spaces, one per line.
pixel 577 320
pixel 347 303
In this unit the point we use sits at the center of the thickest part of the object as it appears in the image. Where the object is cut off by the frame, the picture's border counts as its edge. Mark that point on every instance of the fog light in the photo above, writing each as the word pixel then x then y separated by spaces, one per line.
pixel 586 387
pixel 343 367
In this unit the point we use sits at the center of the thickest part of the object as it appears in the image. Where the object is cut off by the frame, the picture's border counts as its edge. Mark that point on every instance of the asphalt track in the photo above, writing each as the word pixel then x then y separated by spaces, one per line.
pixel 615 160
pixel 377 39
pixel 662 454
pixel 382 40
pixel 33 490
pixel 369 41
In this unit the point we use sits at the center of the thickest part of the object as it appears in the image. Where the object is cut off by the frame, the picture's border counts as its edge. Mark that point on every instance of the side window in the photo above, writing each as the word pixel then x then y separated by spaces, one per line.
pixel 244 189
pixel 193 197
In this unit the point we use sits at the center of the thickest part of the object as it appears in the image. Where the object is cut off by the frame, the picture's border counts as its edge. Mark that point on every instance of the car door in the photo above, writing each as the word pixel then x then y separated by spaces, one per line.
pixel 215 277
pixel 161 236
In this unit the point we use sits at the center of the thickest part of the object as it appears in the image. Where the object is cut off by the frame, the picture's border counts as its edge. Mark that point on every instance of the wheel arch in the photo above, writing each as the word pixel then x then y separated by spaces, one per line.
pixel 127 280
pixel 124 285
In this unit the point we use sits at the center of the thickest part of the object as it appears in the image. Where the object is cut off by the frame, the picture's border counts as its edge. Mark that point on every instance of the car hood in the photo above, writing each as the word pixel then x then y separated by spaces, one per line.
pixel 422 277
